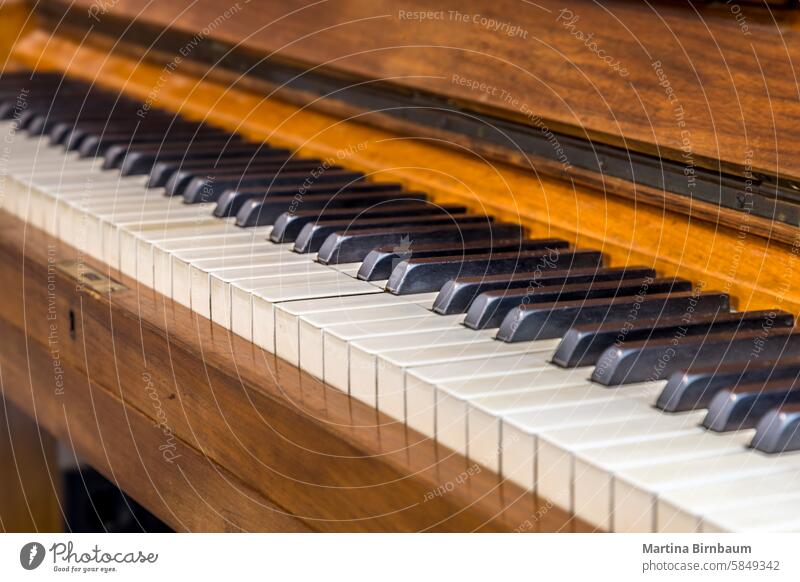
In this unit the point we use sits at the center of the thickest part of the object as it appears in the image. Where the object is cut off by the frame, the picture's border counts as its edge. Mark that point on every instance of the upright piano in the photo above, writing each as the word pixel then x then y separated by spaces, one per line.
pixel 369 266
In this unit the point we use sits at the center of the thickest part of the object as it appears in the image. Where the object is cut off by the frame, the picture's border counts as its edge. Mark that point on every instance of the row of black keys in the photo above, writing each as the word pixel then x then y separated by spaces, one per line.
pixel 739 365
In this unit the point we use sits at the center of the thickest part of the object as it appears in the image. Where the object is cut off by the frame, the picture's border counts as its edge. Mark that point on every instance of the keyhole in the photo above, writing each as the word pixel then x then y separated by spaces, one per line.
pixel 71 324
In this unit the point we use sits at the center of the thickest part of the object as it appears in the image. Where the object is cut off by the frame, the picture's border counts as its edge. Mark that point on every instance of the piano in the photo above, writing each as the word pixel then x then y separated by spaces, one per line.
pixel 355 267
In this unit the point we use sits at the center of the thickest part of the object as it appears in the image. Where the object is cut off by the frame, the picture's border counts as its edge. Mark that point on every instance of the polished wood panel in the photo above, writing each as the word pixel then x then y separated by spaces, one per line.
pixel 31 483
pixel 726 88
pixel 761 273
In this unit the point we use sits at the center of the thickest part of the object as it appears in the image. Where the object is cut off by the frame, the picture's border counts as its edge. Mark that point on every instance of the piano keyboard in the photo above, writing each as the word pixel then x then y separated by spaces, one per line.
pixel 638 402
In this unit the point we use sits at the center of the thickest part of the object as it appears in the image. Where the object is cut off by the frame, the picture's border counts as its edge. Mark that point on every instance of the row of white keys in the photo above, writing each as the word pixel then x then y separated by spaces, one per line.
pixel 776 514
pixel 355 309
pixel 579 460
pixel 155 261
pixel 688 509
pixel 253 309
pixel 220 286
pixel 636 491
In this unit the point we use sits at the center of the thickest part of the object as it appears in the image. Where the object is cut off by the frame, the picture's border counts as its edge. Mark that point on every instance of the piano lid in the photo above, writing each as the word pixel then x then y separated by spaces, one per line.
pixel 700 101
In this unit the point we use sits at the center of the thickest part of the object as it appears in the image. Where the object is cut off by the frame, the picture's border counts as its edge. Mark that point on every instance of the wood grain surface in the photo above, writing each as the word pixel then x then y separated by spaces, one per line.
pixel 667 78
pixel 31 483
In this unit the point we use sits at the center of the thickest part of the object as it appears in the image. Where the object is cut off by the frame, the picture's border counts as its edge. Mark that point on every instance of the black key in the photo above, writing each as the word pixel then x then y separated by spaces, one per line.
pixel 163 171
pixel 426 275
pixel 456 233
pixel 141 160
pixel 657 359
pixel 71 135
pixel 349 247
pixel 742 406
pixel 778 431
pixel 208 190
pixel 490 308
pixel 180 181
pixel 457 294
pixel 313 236
pixel 289 224
pixel 694 388
pixel 14 105
pixel 42 123
pixel 582 345
pixel 97 144
pixel 261 209
pixel 530 322
pixel 380 262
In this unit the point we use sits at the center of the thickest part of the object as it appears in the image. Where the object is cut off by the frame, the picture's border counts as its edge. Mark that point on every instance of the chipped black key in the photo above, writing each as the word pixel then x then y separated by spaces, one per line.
pixel 426 275
pixel 313 236
pixel 289 224
pixel 349 247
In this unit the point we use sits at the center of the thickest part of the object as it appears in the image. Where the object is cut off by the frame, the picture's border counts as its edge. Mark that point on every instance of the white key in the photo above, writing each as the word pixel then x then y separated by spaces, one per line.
pixel 161 252
pixel 777 514
pixel 253 312
pixel 420 413
pixel 312 326
pixel 637 490
pixel 555 449
pixel 485 429
pixel 287 315
pixel 595 468
pixel 227 270
pixel 451 398
pixel 336 341
pixel 246 280
pixel 364 353
pixel 682 510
